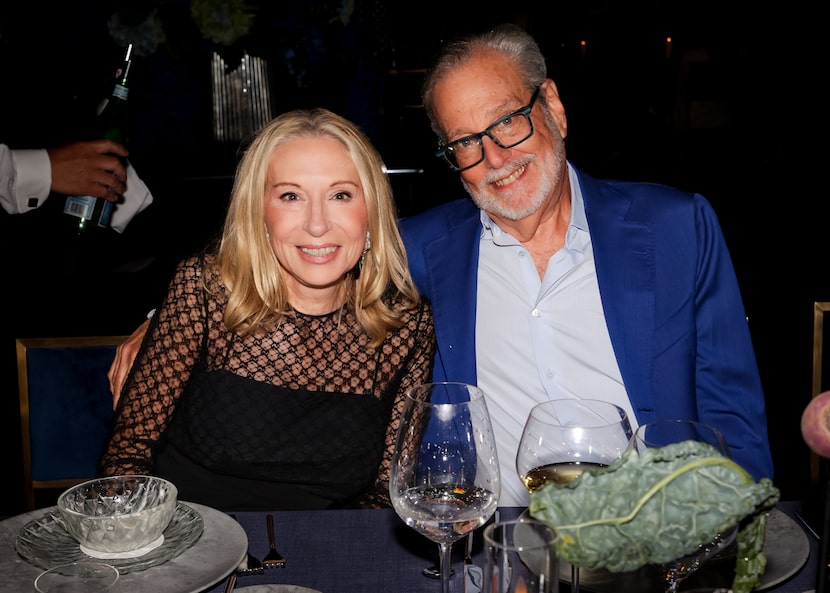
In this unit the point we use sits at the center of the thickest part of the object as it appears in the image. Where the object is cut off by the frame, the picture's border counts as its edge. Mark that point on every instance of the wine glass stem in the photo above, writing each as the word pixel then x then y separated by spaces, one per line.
pixel 574 579
pixel 445 562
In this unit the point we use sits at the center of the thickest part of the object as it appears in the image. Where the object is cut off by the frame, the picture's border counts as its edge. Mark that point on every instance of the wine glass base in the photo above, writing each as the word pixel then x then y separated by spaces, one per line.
pixel 434 572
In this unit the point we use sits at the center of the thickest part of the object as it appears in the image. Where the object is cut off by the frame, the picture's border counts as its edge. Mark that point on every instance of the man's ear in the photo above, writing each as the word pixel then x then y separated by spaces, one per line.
pixel 555 106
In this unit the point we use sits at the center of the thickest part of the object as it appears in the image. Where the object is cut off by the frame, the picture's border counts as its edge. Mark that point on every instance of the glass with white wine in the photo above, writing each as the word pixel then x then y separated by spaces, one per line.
pixel 564 438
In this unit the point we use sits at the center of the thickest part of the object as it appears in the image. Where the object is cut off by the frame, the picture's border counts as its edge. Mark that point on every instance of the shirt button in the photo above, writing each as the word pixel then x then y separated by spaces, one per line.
pixel 549 374
pixel 536 313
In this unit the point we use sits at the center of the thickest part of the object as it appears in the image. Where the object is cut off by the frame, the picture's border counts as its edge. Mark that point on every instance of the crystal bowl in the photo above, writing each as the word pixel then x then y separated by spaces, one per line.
pixel 118 516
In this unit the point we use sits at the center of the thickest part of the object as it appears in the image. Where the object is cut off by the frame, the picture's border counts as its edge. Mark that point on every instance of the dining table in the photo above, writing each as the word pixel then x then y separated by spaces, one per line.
pixel 373 551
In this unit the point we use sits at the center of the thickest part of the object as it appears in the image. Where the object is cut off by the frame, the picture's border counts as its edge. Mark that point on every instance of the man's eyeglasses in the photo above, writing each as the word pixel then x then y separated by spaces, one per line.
pixel 508 131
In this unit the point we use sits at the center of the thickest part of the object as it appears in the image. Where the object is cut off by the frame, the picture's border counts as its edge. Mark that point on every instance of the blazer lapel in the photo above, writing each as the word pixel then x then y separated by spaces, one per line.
pixel 625 264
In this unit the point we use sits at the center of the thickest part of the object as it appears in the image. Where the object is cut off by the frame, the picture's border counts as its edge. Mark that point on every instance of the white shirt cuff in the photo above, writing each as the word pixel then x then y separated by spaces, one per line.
pixel 33 178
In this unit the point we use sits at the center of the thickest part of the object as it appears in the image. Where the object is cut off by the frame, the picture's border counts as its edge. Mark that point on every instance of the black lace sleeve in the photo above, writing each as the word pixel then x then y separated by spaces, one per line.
pixel 416 369
pixel 164 363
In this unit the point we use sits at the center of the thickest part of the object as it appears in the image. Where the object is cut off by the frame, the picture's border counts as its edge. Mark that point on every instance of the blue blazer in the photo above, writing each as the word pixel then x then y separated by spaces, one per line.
pixel 670 295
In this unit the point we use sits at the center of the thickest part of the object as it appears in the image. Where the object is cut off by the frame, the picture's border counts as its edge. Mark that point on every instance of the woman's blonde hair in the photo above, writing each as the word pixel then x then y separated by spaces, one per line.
pixel 250 270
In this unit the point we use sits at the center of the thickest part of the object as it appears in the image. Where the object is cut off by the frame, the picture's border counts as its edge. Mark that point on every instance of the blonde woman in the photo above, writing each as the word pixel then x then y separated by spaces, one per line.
pixel 272 375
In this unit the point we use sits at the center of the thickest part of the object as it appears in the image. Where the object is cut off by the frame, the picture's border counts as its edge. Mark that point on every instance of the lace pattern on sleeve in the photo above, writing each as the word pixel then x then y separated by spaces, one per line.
pixel 163 365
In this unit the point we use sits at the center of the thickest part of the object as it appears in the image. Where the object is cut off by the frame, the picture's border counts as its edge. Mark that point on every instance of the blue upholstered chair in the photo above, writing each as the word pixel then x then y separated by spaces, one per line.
pixel 65 409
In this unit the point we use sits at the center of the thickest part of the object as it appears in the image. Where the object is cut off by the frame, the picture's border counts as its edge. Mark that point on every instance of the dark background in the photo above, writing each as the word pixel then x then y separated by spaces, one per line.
pixel 732 113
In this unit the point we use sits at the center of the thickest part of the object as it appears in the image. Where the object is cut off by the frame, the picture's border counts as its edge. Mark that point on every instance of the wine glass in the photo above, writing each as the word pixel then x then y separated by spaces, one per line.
pixel 445 479
pixel 666 432
pixel 565 437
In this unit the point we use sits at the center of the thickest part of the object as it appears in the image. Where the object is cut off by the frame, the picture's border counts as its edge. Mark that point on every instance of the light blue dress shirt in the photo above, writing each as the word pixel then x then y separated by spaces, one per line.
pixel 560 315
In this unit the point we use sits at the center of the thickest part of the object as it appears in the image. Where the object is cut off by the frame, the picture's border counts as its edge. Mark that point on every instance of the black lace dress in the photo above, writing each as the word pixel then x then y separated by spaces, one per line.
pixel 303 415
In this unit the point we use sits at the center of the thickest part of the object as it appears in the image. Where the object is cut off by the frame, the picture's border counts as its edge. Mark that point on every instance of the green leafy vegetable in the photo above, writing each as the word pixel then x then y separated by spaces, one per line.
pixel 656 506
pixel 752 562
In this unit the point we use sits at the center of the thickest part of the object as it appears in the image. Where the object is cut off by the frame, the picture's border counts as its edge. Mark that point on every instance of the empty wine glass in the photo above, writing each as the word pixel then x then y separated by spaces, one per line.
pixel 661 433
pixel 564 438
pixel 445 480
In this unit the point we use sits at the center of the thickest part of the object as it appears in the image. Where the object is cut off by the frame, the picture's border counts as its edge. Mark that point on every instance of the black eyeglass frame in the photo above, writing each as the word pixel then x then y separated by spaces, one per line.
pixel 444 148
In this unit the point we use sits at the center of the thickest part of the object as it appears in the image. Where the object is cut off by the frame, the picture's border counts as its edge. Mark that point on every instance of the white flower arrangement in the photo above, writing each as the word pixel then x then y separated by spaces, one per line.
pixel 222 21
pixel 145 37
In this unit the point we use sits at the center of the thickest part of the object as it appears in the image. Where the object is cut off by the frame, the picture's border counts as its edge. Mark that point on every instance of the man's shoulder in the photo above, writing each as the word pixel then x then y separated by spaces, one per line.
pixel 648 189
pixel 637 199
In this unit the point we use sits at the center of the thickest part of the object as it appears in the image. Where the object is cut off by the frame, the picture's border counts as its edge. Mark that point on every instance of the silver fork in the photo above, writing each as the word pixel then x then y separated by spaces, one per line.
pixel 273 558
pixel 249 565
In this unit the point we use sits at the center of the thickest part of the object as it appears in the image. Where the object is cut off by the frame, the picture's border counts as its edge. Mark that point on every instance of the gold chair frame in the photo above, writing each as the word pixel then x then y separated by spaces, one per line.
pixel 819 308
pixel 30 486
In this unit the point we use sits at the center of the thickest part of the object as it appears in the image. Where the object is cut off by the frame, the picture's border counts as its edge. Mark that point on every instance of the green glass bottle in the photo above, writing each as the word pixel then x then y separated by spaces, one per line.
pixel 92 212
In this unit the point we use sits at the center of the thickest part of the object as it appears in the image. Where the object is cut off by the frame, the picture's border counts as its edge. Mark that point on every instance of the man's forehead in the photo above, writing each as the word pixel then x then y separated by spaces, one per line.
pixel 468 104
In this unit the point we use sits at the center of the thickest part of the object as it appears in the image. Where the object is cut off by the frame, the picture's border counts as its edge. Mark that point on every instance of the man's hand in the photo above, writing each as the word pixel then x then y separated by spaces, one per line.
pixel 93 168
pixel 124 357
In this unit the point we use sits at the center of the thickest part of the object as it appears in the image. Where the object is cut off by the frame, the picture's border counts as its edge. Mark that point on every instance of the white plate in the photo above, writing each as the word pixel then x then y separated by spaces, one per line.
pixel 45 542
pixel 206 563
pixel 274 589
pixel 786 547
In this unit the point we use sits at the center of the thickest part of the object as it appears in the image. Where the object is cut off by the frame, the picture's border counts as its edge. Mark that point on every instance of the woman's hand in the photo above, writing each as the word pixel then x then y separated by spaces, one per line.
pixel 124 357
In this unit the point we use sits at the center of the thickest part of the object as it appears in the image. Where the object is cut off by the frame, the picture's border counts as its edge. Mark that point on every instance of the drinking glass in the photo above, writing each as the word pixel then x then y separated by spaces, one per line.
pixel 520 557
pixel 445 479
pixel 565 437
pixel 666 432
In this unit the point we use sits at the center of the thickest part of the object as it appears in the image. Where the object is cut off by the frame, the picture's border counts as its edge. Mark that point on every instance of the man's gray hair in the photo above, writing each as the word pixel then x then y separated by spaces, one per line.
pixel 508 39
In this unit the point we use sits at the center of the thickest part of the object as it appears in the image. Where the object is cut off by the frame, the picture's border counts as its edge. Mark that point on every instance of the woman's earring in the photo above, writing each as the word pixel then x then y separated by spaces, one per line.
pixel 366 247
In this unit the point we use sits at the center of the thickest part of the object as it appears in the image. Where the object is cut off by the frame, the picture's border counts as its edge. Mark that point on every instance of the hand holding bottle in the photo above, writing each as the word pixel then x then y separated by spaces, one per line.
pixel 90 168
pixel 90 211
